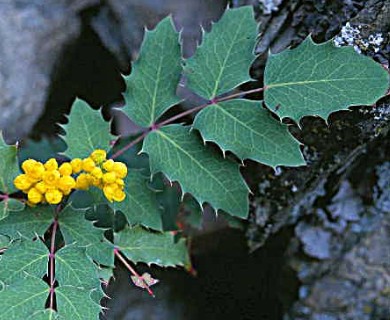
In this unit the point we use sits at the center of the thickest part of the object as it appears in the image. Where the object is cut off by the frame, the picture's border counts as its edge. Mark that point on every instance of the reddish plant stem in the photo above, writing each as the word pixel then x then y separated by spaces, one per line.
pixel 4 196
pixel 133 272
pixel 131 144
pixel 2 250
pixel 51 262
pixel 183 114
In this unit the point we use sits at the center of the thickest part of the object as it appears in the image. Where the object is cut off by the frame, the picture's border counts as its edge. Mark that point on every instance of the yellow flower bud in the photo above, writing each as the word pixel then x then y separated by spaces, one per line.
pixel 109 177
pixel 97 172
pixel 51 164
pixel 41 187
pixel 23 182
pixel 120 169
pixel 77 165
pixel 120 183
pixel 109 191
pixel 33 169
pixel 34 196
pixel 65 169
pixel 66 182
pixel 53 196
pixel 82 182
pixel 119 195
pixel 95 181
pixel 50 178
pixel 108 165
pixel 28 164
pixel 98 156
pixel 66 192
pixel 88 164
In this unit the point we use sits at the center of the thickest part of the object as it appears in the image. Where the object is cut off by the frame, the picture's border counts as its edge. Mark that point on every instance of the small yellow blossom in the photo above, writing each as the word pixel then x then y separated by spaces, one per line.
pixel 66 183
pixel 108 165
pixel 82 181
pixel 109 177
pixel 34 196
pixel 33 169
pixel 97 173
pixel 50 178
pixel 77 165
pixel 120 182
pixel 98 156
pixel 41 187
pixel 51 164
pixel 109 190
pixel 23 182
pixel 120 169
pixel 53 196
pixel 118 195
pixel 65 169
pixel 88 164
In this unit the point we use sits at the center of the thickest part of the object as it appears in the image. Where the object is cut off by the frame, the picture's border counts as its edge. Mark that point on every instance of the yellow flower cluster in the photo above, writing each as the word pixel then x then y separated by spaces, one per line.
pixel 50 182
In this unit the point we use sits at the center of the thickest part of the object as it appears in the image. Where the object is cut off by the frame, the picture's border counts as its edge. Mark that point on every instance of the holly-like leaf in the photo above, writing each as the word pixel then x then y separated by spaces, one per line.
pixel 29 222
pixel 4 241
pixel 73 267
pixel 151 86
pixel 8 205
pixel 86 131
pixel 23 257
pixel 102 252
pixel 140 205
pixel 76 229
pixel 222 62
pixel 249 131
pixel 318 79
pixel 23 298
pixel 47 314
pixel 181 156
pixel 76 303
pixel 9 167
pixel 140 245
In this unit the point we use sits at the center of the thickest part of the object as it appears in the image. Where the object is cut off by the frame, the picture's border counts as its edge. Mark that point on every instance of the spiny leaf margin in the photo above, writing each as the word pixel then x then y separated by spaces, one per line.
pixel 151 86
pixel 297 80
pixel 250 132
pixel 181 156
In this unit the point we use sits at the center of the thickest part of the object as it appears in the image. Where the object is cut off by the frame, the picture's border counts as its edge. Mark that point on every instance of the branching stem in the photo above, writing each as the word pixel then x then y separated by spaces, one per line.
pixel 184 114
pixel 51 262
pixel 133 272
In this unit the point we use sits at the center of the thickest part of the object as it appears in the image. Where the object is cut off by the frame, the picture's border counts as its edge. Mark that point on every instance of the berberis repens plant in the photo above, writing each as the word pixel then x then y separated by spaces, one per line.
pixel 60 219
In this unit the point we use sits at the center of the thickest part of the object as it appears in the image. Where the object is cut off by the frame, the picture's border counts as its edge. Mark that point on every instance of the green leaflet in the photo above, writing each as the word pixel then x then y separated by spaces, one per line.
pixel 74 268
pixel 46 314
pixel 76 303
pixel 222 62
pixel 140 245
pixel 30 222
pixel 23 298
pixel 76 229
pixel 318 79
pixel 9 167
pixel 182 157
pixel 249 131
pixel 8 205
pixel 151 86
pixel 23 257
pixel 4 241
pixel 86 131
pixel 140 205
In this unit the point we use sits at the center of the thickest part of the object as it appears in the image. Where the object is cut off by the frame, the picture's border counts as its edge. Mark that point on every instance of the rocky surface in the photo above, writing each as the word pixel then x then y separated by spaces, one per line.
pixel 33 36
